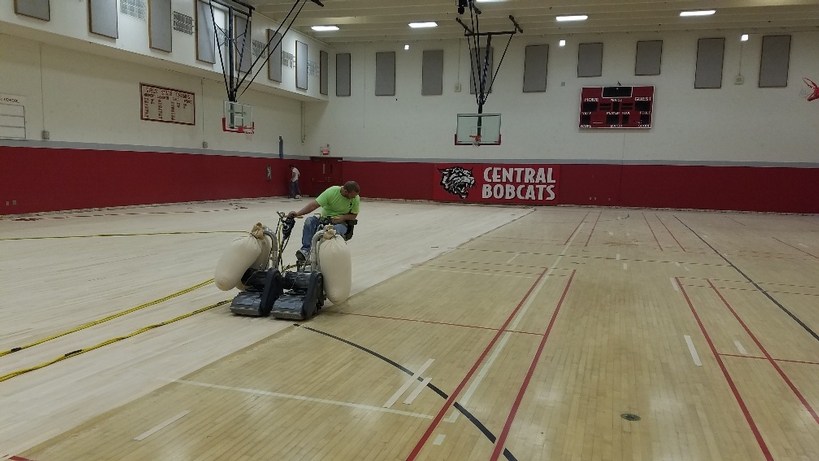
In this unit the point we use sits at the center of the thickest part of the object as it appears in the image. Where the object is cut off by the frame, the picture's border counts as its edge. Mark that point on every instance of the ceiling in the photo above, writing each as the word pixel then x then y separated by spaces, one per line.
pixel 386 20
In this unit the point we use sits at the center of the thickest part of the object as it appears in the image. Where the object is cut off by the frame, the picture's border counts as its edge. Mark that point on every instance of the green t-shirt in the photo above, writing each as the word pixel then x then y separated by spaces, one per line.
pixel 334 204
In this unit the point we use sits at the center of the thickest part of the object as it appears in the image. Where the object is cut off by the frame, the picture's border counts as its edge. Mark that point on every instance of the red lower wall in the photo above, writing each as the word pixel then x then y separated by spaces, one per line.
pixel 40 179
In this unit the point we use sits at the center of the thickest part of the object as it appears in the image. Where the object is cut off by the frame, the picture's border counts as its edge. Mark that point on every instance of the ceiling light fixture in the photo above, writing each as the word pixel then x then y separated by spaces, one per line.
pixel 697 13
pixel 562 43
pixel 744 38
pixel 406 47
pixel 422 25
pixel 576 17
pixel 324 28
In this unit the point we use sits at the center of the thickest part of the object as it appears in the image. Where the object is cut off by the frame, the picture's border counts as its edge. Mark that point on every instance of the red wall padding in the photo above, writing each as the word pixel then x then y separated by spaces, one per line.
pixel 62 179
pixel 42 179
pixel 397 180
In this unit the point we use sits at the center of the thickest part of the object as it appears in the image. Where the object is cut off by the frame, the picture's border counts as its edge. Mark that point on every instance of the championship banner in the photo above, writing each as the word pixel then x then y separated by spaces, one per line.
pixel 496 183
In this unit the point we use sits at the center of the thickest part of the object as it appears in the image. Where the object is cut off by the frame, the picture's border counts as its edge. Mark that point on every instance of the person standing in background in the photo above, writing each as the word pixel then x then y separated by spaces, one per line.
pixel 295 192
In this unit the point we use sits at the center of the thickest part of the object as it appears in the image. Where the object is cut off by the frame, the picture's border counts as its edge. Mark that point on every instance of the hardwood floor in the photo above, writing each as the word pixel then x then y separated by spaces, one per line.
pixel 474 332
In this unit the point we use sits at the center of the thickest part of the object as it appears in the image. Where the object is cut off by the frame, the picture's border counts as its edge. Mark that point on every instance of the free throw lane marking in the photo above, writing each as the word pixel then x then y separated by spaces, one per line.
pixel 407 384
pixel 693 351
pixel 740 348
pixel 160 426
pixel 417 390
pixel 304 398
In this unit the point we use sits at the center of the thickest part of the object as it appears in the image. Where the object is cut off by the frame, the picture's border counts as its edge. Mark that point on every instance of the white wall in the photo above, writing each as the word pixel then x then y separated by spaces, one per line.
pixel 735 124
pixel 84 88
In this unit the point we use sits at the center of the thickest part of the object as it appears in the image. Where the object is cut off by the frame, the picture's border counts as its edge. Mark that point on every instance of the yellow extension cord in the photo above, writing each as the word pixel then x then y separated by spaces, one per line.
pixel 110 341
pixel 103 320
pixel 8 376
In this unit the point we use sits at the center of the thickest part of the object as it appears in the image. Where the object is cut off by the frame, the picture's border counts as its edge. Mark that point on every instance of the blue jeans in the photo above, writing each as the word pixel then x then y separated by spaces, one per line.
pixel 311 225
pixel 294 189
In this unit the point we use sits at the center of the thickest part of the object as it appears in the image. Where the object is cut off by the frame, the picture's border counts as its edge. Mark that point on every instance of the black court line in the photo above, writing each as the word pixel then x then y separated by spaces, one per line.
pixel 486 432
pixel 762 290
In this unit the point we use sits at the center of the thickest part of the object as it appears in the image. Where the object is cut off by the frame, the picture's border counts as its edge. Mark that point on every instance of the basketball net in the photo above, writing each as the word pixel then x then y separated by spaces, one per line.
pixel 476 139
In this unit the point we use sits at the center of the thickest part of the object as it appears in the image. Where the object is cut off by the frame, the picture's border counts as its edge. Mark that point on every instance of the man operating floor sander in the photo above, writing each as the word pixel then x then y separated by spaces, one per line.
pixel 254 264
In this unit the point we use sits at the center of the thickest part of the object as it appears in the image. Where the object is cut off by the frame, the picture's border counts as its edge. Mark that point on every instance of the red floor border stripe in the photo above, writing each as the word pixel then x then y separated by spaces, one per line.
pixel 768 356
pixel 513 412
pixel 418 446
pixel 725 373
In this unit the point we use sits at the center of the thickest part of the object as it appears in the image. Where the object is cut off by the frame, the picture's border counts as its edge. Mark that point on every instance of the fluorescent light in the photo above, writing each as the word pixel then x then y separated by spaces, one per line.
pixel 406 47
pixel 421 25
pixel 744 38
pixel 324 28
pixel 562 43
pixel 577 17
pixel 698 13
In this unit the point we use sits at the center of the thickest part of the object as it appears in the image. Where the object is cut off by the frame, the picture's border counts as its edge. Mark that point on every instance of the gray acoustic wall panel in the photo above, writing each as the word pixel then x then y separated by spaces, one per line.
pixel 710 53
pixel 535 66
pixel 301 65
pixel 590 60
pixel 776 56
pixel 343 74
pixel 103 17
pixel 159 25
pixel 324 72
pixel 477 72
pixel 274 65
pixel 385 73
pixel 205 39
pixel 432 73
pixel 40 9
pixel 649 57
pixel 244 57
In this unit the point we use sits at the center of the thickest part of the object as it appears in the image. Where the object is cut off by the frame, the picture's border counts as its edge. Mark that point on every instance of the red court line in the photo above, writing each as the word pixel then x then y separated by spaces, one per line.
pixel 578 227
pixel 731 384
pixel 806 362
pixel 669 231
pixel 433 322
pixel 742 356
pixel 797 361
pixel 509 419
pixel 593 227
pixel 652 232
pixel 418 446
pixel 795 248
pixel 767 355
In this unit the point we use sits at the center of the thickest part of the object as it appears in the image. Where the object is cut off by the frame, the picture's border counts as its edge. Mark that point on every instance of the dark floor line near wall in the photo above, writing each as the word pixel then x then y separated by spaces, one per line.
pixel 762 290
pixel 797 249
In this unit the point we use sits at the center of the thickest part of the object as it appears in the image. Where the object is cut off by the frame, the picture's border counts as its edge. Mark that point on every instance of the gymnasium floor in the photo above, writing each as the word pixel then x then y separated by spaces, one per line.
pixel 474 332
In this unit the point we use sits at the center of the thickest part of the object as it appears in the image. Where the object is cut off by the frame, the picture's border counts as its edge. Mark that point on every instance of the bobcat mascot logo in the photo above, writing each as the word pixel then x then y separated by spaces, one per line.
pixel 457 180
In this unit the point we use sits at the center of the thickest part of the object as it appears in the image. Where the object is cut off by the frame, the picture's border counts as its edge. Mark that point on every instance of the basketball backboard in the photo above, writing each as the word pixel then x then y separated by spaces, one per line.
pixel 238 118
pixel 478 130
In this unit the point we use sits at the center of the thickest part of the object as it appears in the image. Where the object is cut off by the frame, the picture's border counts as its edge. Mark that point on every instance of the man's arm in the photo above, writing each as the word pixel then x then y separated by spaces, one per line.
pixel 312 206
pixel 344 217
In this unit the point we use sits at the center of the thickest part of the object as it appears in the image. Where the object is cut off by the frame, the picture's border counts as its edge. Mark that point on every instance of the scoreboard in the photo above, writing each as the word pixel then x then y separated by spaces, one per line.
pixel 616 107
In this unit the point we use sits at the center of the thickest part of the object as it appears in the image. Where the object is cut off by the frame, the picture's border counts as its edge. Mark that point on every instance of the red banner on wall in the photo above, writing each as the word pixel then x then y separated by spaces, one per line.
pixel 496 183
